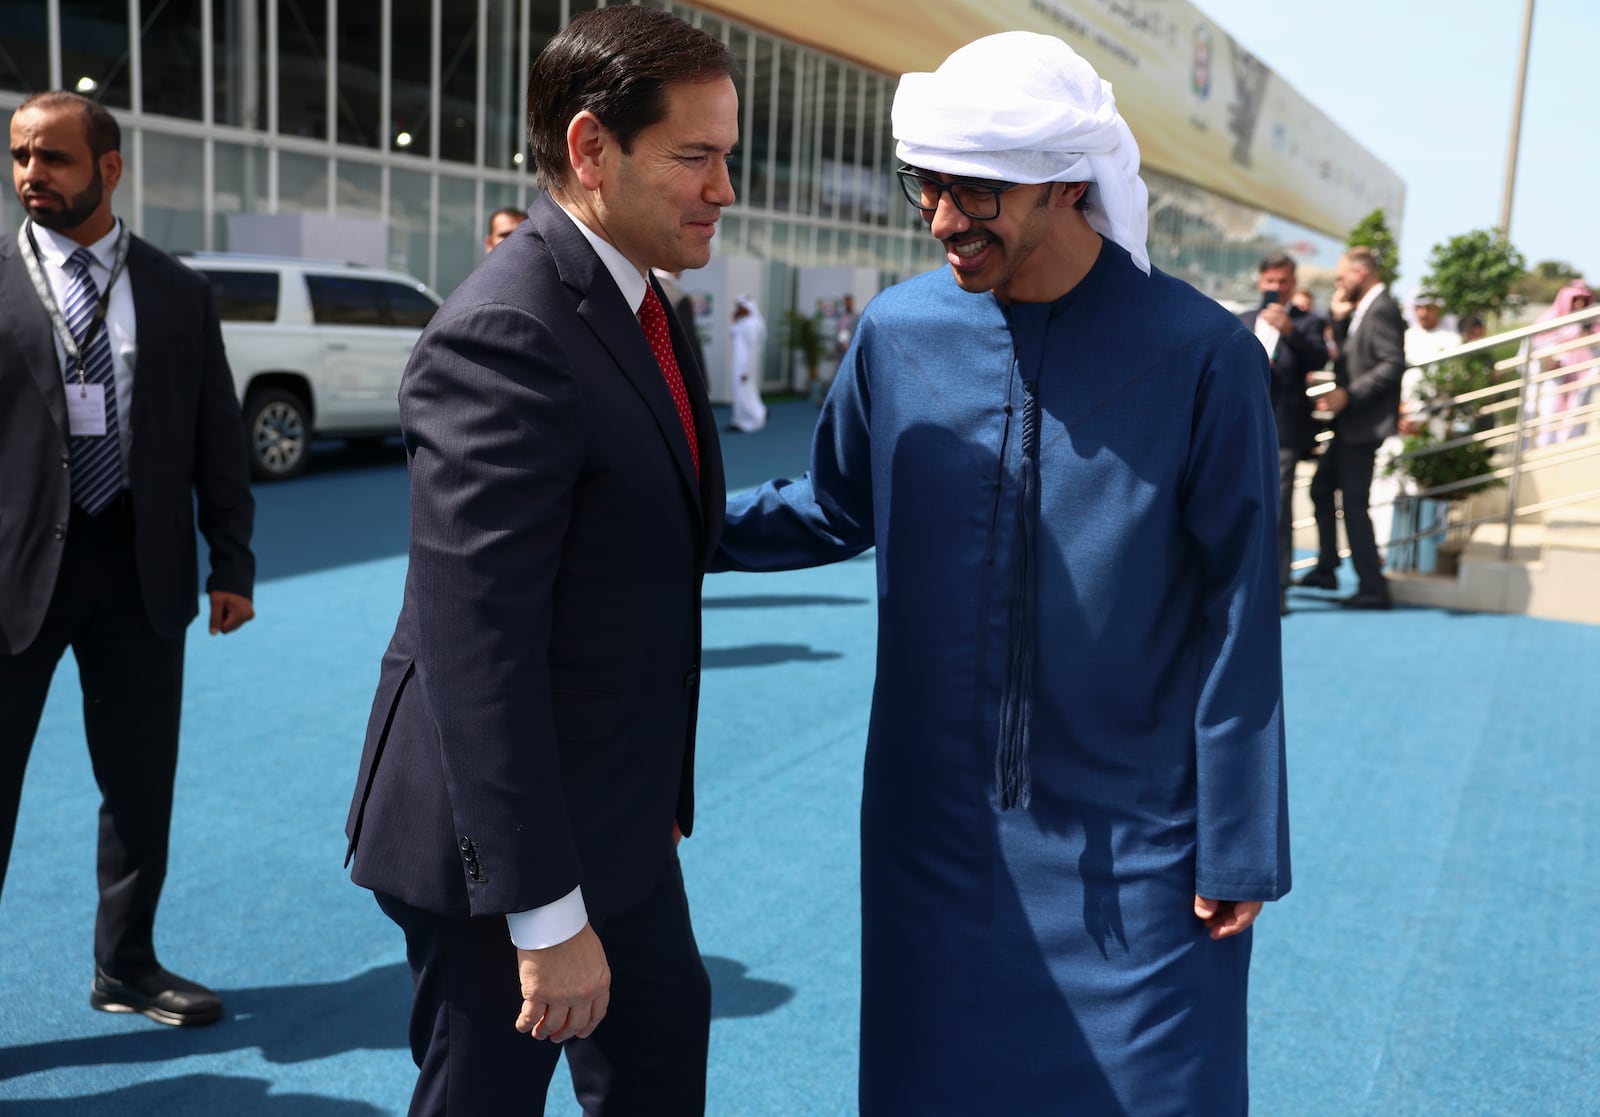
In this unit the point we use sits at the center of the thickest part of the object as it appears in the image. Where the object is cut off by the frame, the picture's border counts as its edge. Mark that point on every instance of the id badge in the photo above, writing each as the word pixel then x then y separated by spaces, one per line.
pixel 86 409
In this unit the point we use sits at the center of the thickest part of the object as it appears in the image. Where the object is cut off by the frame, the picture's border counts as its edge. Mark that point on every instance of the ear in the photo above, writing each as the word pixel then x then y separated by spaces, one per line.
pixel 111 168
pixel 587 141
pixel 1073 191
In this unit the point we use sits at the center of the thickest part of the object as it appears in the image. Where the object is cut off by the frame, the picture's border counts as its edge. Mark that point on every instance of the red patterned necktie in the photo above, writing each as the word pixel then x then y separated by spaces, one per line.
pixel 653 317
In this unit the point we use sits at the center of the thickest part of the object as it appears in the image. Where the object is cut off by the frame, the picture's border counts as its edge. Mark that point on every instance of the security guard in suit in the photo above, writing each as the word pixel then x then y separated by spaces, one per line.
pixel 117 417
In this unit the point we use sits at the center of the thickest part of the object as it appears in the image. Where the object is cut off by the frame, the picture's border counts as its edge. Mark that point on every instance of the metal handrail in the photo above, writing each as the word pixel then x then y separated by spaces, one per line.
pixel 1516 434
pixel 1495 341
pixel 1505 386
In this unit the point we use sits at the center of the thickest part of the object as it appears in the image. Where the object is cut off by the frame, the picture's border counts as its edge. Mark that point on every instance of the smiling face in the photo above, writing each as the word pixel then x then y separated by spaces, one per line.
pixel 1006 254
pixel 59 182
pixel 659 203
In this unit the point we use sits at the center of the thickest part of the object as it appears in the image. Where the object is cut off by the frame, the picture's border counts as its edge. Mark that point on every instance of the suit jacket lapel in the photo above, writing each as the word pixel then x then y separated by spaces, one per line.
pixel 28 325
pixel 601 306
pixel 151 294
pixel 711 485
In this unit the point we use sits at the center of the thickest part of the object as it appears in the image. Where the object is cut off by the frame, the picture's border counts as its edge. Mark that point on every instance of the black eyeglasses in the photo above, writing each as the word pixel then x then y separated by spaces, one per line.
pixel 979 200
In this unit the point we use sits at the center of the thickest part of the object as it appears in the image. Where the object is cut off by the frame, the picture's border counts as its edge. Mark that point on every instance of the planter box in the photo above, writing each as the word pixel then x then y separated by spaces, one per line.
pixel 1416 534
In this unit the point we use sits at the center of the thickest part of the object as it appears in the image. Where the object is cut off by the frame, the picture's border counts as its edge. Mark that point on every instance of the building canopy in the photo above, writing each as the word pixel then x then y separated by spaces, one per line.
pixel 1203 108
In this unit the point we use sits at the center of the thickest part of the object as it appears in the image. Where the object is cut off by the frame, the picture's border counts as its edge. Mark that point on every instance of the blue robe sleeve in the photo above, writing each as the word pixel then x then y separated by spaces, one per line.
pixel 1230 501
pixel 826 515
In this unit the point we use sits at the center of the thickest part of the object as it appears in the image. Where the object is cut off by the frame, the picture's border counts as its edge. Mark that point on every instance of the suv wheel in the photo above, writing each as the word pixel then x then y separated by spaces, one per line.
pixel 278 431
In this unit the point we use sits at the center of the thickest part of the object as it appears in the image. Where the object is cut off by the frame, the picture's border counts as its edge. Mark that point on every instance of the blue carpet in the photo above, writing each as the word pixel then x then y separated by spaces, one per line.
pixel 1435 957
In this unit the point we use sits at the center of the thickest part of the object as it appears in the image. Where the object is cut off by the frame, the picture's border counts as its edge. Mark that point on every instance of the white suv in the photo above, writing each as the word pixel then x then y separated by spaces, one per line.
pixel 316 348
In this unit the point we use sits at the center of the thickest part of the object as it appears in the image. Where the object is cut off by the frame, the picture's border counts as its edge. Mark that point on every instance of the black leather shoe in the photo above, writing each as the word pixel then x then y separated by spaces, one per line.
pixel 1367 601
pixel 164 997
pixel 1318 579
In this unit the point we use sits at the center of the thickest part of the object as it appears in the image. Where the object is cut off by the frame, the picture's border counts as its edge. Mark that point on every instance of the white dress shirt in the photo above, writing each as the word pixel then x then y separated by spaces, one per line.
pixel 1363 306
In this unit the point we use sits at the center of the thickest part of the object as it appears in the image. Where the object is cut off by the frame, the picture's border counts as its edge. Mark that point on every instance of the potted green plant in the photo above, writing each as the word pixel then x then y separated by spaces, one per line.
pixel 805 338
pixel 1427 467
pixel 1474 273
pixel 1441 385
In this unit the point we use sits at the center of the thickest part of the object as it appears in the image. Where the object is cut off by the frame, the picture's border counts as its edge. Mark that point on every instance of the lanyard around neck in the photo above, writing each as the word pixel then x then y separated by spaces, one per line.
pixel 75 350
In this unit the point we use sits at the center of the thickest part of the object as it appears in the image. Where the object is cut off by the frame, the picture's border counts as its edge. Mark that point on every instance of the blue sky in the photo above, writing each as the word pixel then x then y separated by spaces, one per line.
pixel 1427 86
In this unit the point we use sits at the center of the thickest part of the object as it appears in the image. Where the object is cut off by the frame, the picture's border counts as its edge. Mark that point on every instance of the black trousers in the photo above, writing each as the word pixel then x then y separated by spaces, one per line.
pixel 1287 460
pixel 1346 469
pixel 132 682
pixel 648 1056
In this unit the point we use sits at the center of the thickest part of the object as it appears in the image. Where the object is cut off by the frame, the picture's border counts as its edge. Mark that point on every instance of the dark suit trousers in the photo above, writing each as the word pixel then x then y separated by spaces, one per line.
pixel 1287 460
pixel 132 682
pixel 647 1056
pixel 1347 469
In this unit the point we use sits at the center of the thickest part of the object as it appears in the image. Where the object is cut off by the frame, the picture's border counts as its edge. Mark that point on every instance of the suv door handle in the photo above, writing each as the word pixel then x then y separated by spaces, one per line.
pixel 332 345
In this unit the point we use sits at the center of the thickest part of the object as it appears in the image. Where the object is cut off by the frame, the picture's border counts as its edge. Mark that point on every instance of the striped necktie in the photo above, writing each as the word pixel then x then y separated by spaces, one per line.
pixel 96 459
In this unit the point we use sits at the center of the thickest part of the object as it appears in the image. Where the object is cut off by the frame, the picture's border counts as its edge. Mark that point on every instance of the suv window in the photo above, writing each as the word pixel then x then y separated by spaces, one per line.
pixel 338 300
pixel 408 306
pixel 244 296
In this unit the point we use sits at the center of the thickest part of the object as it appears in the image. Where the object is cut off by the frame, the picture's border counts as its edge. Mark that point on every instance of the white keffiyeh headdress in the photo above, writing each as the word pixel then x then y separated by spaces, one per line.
pixel 1022 107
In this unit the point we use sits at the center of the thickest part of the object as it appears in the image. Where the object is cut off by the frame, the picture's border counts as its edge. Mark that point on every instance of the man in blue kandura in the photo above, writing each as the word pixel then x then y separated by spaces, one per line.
pixel 1074 800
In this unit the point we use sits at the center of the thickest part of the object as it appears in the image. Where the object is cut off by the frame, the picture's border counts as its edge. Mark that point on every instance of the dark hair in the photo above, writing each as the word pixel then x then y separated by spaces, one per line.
pixel 507 211
pixel 1363 257
pixel 1275 261
pixel 100 128
pixel 615 62
pixel 1467 323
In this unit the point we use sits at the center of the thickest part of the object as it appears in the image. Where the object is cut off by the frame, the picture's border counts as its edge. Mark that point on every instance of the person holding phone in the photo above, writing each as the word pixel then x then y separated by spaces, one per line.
pixel 1296 344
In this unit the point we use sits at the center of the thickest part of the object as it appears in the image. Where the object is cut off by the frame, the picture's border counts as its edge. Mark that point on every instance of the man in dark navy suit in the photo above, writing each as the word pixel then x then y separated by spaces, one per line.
pixel 529 761
pixel 104 460
pixel 1297 349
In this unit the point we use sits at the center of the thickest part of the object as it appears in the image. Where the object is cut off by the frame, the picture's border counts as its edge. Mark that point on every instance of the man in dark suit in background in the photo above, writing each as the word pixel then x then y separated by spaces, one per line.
pixel 502 223
pixel 529 759
pixel 1370 340
pixel 117 411
pixel 1297 349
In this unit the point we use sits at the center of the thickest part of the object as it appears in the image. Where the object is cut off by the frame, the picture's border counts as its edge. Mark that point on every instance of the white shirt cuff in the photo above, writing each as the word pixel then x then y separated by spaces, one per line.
pixel 549 925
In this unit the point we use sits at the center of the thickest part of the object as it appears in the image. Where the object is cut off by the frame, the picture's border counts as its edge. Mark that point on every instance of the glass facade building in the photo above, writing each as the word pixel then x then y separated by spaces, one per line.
pixel 411 111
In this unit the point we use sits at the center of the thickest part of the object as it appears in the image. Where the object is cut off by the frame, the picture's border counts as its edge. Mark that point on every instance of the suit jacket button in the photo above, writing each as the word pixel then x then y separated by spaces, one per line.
pixel 691 678
pixel 61 531
pixel 66 461
pixel 466 845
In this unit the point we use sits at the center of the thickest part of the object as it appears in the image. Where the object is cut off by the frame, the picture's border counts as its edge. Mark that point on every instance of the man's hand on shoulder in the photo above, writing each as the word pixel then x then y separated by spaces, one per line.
pixel 566 988
pixel 229 611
